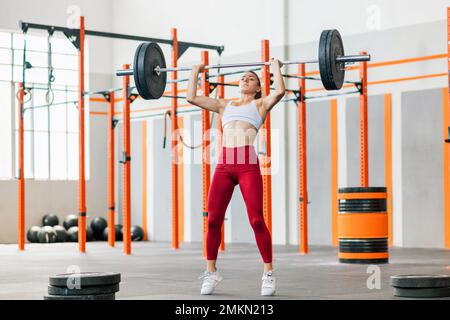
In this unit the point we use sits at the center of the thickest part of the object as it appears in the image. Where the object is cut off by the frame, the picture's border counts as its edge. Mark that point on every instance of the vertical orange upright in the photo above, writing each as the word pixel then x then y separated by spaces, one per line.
pixel 174 144
pixel 126 158
pixel 334 171
pixel 111 200
pixel 388 159
pixel 446 173
pixel 220 95
pixel 446 120
pixel 21 178
pixel 363 127
pixel 302 164
pixel 144 179
pixel 180 184
pixel 266 159
pixel 81 159
pixel 206 168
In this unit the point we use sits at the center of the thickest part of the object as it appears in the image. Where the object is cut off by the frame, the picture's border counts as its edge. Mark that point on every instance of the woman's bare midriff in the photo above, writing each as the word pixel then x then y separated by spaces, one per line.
pixel 238 133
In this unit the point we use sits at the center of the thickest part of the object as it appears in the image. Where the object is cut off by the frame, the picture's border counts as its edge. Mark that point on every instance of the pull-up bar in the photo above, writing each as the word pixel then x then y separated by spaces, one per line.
pixel 73 36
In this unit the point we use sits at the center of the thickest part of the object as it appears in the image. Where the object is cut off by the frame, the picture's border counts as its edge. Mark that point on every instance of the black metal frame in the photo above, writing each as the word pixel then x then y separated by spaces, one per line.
pixel 73 36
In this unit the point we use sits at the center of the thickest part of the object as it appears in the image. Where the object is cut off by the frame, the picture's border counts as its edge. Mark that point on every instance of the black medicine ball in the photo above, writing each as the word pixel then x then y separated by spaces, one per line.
pixel 47 235
pixel 98 225
pixel 72 234
pixel 61 233
pixel 32 234
pixel 50 219
pixel 118 233
pixel 137 233
pixel 70 221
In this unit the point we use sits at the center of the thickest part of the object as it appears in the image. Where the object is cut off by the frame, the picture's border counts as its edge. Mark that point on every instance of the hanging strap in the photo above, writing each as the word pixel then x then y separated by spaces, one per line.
pixel 49 95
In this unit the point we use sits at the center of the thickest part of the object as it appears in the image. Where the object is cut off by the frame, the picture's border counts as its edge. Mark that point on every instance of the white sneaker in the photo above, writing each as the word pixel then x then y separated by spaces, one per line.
pixel 268 284
pixel 210 281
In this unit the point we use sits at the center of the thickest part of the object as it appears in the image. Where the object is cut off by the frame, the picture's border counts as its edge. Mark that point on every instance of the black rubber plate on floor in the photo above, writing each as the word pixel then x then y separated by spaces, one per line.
pixel 362 202
pixel 363 240
pixel 59 291
pixel 86 279
pixel 362 189
pixel 422 292
pixel 362 250
pixel 108 296
pixel 420 281
pixel 362 208
pixel 367 201
pixel 365 261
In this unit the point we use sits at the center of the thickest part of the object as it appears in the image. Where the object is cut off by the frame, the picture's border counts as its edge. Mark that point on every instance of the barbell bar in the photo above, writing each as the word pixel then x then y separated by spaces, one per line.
pixel 344 59
pixel 158 70
pixel 150 71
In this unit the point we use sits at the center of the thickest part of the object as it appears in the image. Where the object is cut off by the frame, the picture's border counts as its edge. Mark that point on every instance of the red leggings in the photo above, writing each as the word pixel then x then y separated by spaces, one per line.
pixel 238 165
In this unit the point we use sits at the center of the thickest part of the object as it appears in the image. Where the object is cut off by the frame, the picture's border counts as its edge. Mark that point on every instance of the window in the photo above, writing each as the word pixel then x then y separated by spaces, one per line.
pixel 51 132
pixel 5 130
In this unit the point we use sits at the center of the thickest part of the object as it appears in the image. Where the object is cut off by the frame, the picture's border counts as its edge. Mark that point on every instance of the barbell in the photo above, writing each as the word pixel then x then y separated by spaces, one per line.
pixel 150 71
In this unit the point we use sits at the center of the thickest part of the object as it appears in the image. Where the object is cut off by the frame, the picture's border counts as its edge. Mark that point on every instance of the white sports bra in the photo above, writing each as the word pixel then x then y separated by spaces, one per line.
pixel 248 112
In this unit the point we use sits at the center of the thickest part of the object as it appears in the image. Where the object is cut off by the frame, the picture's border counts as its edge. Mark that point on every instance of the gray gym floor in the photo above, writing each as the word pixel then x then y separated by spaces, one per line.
pixel 155 271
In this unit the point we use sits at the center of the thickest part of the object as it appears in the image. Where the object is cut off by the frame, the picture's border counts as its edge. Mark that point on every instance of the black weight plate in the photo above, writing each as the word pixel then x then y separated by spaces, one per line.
pixel 361 210
pixel 365 209
pixel 377 245
pixel 363 240
pixel 86 279
pixel 383 246
pixel 150 85
pixel 108 296
pixel 422 292
pixel 362 249
pixel 362 201
pixel 376 205
pixel 420 281
pixel 358 244
pixel 135 68
pixel 323 64
pixel 330 47
pixel 335 49
pixel 353 206
pixel 62 291
pixel 363 244
pixel 365 261
pixel 366 202
pixel 139 72
pixel 362 189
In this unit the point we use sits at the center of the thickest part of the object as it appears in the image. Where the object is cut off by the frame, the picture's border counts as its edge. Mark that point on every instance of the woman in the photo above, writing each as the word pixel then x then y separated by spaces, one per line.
pixel 238 164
